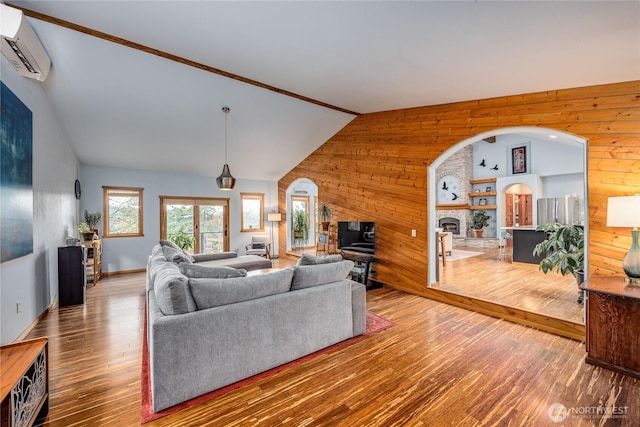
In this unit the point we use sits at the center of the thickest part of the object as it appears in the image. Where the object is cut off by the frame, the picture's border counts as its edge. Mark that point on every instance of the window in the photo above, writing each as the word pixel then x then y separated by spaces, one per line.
pixel 252 208
pixel 122 211
pixel 204 219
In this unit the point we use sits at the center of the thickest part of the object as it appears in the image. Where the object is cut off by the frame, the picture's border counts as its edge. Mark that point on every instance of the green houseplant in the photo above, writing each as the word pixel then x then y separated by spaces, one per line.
pixel 300 227
pixel 92 219
pixel 563 250
pixel 325 212
pixel 479 220
pixel 183 240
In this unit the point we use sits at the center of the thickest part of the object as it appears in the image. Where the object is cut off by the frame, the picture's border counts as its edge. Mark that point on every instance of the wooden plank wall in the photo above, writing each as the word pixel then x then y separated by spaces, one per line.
pixel 375 168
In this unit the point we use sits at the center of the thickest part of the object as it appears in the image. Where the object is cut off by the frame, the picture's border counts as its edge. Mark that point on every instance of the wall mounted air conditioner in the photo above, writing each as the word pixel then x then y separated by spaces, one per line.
pixel 20 45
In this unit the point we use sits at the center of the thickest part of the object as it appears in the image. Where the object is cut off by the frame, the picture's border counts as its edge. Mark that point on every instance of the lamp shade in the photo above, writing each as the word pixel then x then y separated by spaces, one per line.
pixel 623 211
pixel 225 181
pixel 274 217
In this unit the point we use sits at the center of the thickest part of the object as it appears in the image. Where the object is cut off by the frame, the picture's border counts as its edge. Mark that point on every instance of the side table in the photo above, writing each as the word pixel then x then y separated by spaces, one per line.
pixel 613 331
pixel 24 382
pixel 362 258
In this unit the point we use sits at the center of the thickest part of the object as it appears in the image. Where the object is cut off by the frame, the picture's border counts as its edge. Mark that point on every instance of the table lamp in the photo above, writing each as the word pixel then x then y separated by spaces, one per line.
pixel 624 211
pixel 273 217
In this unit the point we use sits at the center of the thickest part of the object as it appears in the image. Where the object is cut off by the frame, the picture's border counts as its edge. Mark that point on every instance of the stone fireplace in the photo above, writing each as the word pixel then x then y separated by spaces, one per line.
pixel 449 224
pixel 460 165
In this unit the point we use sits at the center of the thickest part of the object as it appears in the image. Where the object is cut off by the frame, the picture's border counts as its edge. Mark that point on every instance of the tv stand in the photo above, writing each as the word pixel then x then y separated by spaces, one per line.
pixel 365 260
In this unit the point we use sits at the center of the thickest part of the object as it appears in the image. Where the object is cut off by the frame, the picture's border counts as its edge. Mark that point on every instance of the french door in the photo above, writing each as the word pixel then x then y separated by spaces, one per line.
pixel 205 219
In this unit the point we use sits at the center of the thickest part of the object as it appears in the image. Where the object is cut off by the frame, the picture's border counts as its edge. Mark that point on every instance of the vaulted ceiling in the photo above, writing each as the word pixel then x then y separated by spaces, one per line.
pixel 127 108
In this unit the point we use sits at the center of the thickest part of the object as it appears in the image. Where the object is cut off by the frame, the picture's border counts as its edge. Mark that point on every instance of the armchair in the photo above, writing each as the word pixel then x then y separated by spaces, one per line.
pixel 259 245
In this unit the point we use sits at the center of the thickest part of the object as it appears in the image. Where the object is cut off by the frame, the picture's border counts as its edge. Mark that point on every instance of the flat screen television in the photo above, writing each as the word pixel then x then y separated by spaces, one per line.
pixel 357 236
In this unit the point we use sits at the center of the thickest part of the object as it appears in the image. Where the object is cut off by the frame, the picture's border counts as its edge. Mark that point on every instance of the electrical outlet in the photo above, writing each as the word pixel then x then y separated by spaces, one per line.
pixel 414 233
pixel 18 307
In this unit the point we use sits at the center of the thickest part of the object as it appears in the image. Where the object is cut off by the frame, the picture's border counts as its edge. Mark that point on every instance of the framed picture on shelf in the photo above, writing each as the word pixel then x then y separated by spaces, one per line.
pixel 487 189
pixel 519 160
pixel 483 202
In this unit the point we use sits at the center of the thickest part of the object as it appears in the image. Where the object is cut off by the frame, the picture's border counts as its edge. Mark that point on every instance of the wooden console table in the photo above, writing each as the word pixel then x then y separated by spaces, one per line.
pixel 24 382
pixel 613 331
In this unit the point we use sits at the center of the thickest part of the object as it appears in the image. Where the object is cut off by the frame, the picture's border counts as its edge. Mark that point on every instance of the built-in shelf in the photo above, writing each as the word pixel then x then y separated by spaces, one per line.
pixel 451 206
pixel 483 207
pixel 482 181
pixel 478 196
pixel 483 193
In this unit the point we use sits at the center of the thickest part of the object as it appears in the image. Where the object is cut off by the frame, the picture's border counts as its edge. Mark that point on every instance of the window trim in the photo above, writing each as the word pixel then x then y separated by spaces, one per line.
pixel 105 211
pixel 252 196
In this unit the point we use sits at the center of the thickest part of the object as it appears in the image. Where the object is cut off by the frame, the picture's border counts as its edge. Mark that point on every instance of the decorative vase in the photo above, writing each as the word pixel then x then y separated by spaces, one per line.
pixel 325 225
pixel 478 233
pixel 86 237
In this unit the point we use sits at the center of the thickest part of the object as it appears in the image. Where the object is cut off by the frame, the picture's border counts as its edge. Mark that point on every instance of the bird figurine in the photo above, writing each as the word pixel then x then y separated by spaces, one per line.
pixel 454 196
pixel 444 186
pixel 483 163
pixel 495 168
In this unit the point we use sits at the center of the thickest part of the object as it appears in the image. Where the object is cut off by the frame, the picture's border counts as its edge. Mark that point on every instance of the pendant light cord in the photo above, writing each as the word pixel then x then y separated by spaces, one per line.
pixel 226 113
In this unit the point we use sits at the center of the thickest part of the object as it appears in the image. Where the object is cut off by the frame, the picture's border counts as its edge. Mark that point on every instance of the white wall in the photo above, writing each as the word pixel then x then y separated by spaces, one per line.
pixel 131 253
pixel 32 280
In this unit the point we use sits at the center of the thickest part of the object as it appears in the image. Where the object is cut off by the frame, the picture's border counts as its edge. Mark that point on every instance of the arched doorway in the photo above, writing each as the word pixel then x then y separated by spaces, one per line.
pixel 541 171
pixel 301 198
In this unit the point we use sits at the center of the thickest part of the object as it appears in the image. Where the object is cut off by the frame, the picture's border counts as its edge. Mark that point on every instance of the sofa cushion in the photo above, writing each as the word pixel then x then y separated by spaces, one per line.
pixel 306 276
pixel 195 271
pixel 176 255
pixel 213 256
pixel 172 291
pixel 208 293
pixel 308 259
pixel 247 262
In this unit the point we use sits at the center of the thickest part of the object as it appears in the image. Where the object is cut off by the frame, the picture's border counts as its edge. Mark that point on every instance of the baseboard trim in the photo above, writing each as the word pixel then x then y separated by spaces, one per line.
pixel 27 331
pixel 564 328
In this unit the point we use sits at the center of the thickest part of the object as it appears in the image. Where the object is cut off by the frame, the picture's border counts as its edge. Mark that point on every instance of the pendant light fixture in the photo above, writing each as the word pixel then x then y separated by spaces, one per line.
pixel 225 181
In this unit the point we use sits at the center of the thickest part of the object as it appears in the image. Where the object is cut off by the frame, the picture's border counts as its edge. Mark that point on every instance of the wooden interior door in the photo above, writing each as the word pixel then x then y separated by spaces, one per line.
pixel 525 210
pixel 508 201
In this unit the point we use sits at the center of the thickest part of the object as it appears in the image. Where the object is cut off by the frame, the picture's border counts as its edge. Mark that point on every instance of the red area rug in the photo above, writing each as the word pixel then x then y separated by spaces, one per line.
pixel 375 324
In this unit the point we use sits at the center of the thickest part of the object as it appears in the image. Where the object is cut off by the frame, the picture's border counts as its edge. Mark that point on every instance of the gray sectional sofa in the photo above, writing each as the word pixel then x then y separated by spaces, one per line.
pixel 211 326
pixel 220 259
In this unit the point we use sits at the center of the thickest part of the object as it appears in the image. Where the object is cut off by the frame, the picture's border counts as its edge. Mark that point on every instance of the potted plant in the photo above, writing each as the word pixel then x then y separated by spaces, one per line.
pixel 183 240
pixel 325 212
pixel 479 221
pixel 92 220
pixel 300 227
pixel 563 250
pixel 85 231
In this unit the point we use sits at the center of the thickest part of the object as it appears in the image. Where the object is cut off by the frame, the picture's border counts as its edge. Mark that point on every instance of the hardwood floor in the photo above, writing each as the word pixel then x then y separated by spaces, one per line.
pixel 515 285
pixel 438 366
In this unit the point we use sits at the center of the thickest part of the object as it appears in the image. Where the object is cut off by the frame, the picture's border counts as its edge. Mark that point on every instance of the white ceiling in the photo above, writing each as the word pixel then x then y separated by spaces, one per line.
pixel 125 108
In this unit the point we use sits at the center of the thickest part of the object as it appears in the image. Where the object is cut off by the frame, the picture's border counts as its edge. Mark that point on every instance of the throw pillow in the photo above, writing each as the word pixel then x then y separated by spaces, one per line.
pixel 195 271
pixel 172 291
pixel 170 244
pixel 208 293
pixel 307 276
pixel 176 255
pixel 258 246
pixel 308 259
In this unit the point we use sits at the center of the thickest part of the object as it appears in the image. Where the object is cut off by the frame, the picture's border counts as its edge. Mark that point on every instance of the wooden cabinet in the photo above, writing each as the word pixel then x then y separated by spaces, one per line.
pixel 24 382
pixel 71 275
pixel 94 260
pixel 613 330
